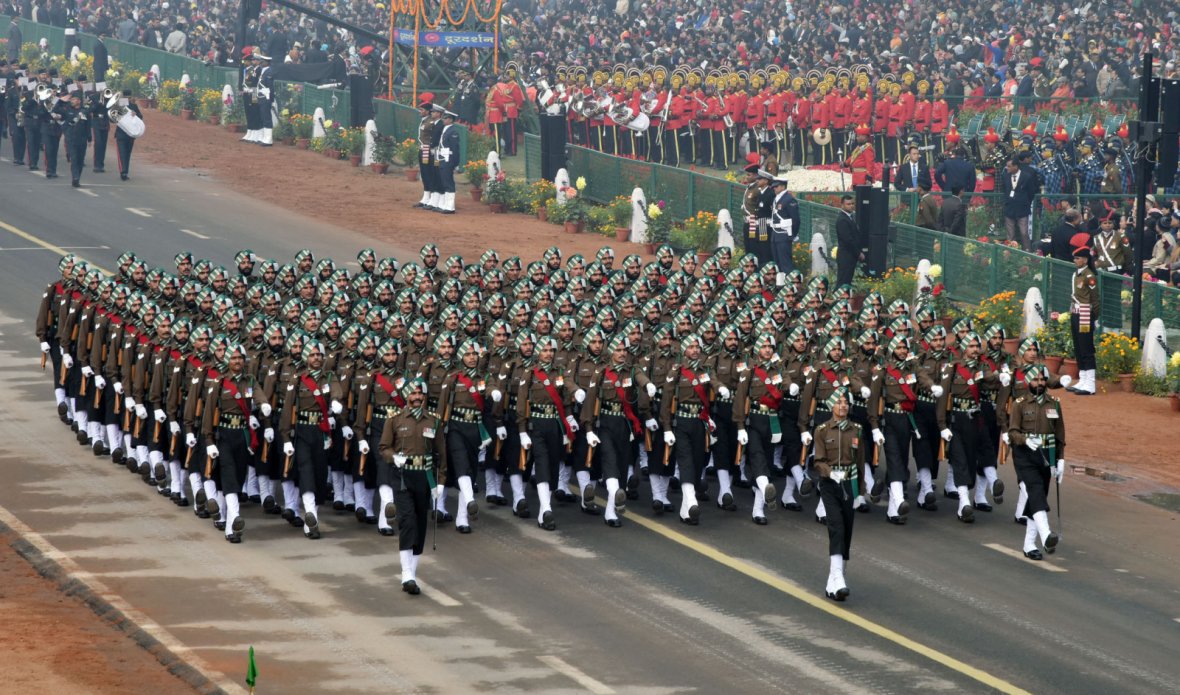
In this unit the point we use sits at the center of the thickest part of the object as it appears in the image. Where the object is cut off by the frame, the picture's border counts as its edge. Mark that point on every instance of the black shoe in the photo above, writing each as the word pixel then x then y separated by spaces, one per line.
pixel 18 164
pixel 255 499
pixel 522 509
pixel 497 500
pixel 313 524
pixel 690 521
pixel 998 492
pixel 632 494
pixel 563 495
pixel 361 513
pixel 903 509
pixel 62 409
pixel 952 494
pixel 897 520
pixel 287 513
pixel 411 588
pixel 547 523
pixel 472 509
pixel 592 509
pixel 876 491
pixel 743 484
pixel 1051 542
pixel 632 486
pixel 620 501
pixel 821 519
pixel 443 517
pixel 160 473
pixel 967 516
pixel 668 507
pixel 97 448
pixel 842 593
pixel 387 532
pixel 117 456
pixel 163 492
pixel 234 538
pixel 929 503
pixel 201 513
pixel 1022 520
pixel 613 523
pixel 792 507
pixel 50 176
pixel 1034 554
pixel 219 525
pixel 694 513
pixel 295 520
pixel 238 526
pixel 98 170
pixel 770 496
pixel 269 506
pixel 76 184
pixel 864 508
pixel 983 507
pixel 371 520
pixel 338 505
pixel 212 507
pixel 836 595
pixel 124 176
pixel 727 503
pixel 657 506
pixel 760 520
pixel 34 167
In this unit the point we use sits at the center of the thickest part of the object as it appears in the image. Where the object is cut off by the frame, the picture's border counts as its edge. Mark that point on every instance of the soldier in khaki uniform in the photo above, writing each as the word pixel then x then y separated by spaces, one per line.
pixel 839 463
pixel 1037 434
pixel 408 455
pixel 728 366
pixel 1111 251
pixel 659 366
pixel 547 426
pixel 1084 308
pixel 230 430
pixel 465 400
pixel 757 407
pixel 687 423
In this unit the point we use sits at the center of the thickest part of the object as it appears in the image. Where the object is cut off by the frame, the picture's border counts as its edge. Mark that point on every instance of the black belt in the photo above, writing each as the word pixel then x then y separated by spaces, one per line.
pixel 232 422
pixel 541 410
pixel 308 417
pixel 469 415
pixel 418 463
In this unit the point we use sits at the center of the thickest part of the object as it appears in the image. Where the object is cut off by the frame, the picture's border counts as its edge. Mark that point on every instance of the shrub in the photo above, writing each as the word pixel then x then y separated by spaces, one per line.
pixel 303 125
pixel 1117 353
pixel 1004 309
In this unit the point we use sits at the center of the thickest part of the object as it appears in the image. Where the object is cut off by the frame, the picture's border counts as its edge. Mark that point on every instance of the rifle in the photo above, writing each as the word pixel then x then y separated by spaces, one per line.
pixel 44 356
pixel 810 414
pixel 347 412
pixel 675 392
pixel 950 399
pixel 877 447
pixel 291 426
pixel 1003 446
pixel 365 423
pixel 209 459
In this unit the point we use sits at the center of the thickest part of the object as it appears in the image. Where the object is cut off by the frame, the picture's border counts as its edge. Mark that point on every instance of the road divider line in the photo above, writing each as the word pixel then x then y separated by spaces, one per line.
pixel 44 244
pixel 90 193
pixel 566 669
pixel 42 248
pixel 1011 552
pixel 137 211
pixel 438 597
pixel 194 234
pixel 823 604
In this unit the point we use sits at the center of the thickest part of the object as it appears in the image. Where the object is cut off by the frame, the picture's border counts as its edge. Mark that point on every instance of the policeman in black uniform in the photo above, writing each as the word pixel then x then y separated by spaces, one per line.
pixel 124 142
pixel 100 125
pixel 77 131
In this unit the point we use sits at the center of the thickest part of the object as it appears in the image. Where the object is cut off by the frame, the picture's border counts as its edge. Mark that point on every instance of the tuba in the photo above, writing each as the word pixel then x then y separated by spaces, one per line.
pixel 124 118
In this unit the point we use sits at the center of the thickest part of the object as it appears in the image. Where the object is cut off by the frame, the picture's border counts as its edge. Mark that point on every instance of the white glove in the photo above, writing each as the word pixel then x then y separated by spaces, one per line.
pixel 652 424
pixel 327 443
pixel 337 408
pixel 669 438
pixel 212 451
pixel 288 449
pixel 174 428
pixel 44 347
pixel 1060 470
pixel 129 403
pixel 936 391
pixel 946 435
pixel 743 437
pixel 865 393
pixel 1004 438
pixel 87 371
pixel 269 434
pixel 793 389
pixel 190 440
pixel 497 396
pixel 501 433
pixel 878 437
pixel 723 392
pixel 331 423
pixel 141 412
pixel 580 396
pixel 569 420
pixel 265 409
pixel 362 446
pixel 399 460
pixel 160 415
pixel 651 391
pixel 119 387
pixel 526 442
pixel 435 493
pixel 66 359
pixel 805 437
pixel 254 423
pixel 592 439
pixel 347 432
pixel 99 382
pixel 1066 380
pixel 1033 442
pixel 1005 379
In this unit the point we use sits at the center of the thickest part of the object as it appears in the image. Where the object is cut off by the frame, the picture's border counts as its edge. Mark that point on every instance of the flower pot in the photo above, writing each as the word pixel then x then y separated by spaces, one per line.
pixel 235 128
pixel 498 208
pixel 1127 382
pixel 1175 399
pixel 289 142
pixel 354 159
pixel 303 143
pixel 948 322
pixel 411 174
pixel 703 256
pixel 1053 362
pixel 379 167
pixel 856 302
pixel 215 120
pixel 186 114
pixel 1069 366
pixel 1011 345
pixel 543 214
pixel 622 233
pixel 651 247
pixel 332 154
pixel 573 227
pixel 477 194
pixel 145 103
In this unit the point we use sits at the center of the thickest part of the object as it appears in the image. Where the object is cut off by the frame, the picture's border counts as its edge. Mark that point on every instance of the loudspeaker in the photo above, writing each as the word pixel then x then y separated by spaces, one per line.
pixel 872 217
pixel 553 131
pixel 1168 151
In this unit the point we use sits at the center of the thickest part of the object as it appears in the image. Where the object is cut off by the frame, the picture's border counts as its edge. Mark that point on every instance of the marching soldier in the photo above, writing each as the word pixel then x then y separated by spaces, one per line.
pixel 464 401
pixel 230 430
pixel 839 463
pixel 546 423
pixel 124 143
pixel 757 409
pixel 687 423
pixel 77 131
pixel 1037 436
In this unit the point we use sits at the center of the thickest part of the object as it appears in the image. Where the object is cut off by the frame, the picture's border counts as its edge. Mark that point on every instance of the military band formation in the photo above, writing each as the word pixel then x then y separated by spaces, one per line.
pixel 305 387
pixel 42 109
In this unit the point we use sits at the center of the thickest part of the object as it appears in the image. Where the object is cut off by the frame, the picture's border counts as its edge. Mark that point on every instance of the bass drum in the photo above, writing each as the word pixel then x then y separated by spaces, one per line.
pixel 132 125
pixel 640 123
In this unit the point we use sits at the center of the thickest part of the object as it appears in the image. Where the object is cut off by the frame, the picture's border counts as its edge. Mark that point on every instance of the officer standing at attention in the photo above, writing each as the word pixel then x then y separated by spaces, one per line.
pixel 1037 435
pixel 839 462
pixel 409 452
pixel 447 159
pixel 1084 306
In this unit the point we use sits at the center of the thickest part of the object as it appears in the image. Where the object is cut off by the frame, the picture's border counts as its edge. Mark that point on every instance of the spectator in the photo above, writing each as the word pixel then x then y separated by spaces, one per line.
pixel 177 40
pixel 952 217
pixel 15 41
pixel 127 30
pixel 1059 245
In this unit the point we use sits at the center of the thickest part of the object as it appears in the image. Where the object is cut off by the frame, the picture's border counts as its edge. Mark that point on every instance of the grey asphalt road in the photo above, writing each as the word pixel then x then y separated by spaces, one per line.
pixel 650 608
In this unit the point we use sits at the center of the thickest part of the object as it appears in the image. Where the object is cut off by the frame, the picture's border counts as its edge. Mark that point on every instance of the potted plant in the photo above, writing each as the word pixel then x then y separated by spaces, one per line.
pixel 659 225
pixel 333 142
pixel 383 149
pixel 476 174
pixel 496 193
pixel 576 211
pixel 1005 310
pixel 1056 341
pixel 303 126
pixel 284 132
pixel 554 211
pixel 701 231
pixel 598 221
pixel 1173 379
pixel 354 145
pixel 620 214
pixel 540 193
pixel 188 103
pixel 408 153
pixel 235 117
pixel 1118 356
pixel 209 107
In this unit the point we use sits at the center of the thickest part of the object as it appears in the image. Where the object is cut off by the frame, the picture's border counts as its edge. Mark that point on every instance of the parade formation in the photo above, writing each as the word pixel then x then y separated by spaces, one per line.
pixel 302 386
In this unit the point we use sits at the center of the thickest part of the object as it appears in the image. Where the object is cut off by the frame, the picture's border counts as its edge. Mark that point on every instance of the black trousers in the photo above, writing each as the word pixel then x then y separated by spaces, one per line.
pixel 310 470
pixel 446 177
pixel 233 459
pixel 898 434
pixel 51 141
pixel 989 439
pixel 926 447
pixel 837 499
pixel 369 473
pixel 506 454
pixel 1083 343
pixel 725 450
pixel 462 449
pixel 792 445
pixel 18 144
pixel 33 142
pixel 76 151
pixel 100 136
pixel 963 447
pixel 253 118
pixel 411 493
pixel 692 447
pixel 124 145
pixel 1032 469
pixel 760 453
pixel 616 453
pixel 548 448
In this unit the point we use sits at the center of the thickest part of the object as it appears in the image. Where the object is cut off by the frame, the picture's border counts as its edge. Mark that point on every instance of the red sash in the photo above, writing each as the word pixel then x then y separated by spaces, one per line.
pixel 237 396
pixel 830 376
pixel 552 391
pixel 467 384
pixel 773 397
pixel 387 385
pixel 1020 376
pixel 699 390
pixel 621 394
pixel 310 384
pixel 972 387
pixel 195 362
pixel 58 289
pixel 910 397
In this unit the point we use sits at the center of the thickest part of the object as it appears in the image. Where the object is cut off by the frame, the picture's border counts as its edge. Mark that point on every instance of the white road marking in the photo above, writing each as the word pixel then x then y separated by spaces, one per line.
pixel 1048 567
pixel 1122 571
pixel 196 234
pixel 565 669
pixel 1176 619
pixel 92 194
pixel 38 173
pixel 137 211
pixel 437 596
pixel 42 248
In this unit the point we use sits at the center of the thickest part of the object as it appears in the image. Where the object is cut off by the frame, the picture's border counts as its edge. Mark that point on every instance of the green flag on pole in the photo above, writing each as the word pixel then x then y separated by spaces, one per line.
pixel 251 671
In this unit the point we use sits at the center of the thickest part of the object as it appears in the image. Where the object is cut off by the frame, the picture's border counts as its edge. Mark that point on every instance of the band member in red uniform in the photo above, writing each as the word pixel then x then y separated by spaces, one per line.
pixel 862 159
